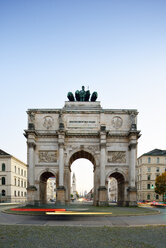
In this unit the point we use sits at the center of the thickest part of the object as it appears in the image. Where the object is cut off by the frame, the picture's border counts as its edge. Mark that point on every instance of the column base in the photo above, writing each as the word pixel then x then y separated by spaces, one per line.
pixel 60 195
pixel 132 196
pixel 31 195
pixel 102 190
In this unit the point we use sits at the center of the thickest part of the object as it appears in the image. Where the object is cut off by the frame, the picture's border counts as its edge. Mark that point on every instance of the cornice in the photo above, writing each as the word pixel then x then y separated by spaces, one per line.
pixel 134 132
pixel 27 132
pixel 118 134
pixel 44 111
pixel 83 110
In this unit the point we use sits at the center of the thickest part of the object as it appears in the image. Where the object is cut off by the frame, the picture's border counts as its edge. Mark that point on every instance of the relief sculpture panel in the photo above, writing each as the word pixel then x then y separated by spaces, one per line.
pixel 48 122
pixel 47 156
pixel 117 157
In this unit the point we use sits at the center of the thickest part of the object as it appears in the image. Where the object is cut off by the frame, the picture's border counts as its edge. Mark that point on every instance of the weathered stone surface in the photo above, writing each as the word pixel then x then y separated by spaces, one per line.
pixel 83 130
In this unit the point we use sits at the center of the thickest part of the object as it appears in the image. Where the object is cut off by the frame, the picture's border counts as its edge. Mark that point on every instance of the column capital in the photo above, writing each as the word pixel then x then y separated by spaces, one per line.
pixel 61 144
pixel 102 145
pixel 133 144
pixel 31 144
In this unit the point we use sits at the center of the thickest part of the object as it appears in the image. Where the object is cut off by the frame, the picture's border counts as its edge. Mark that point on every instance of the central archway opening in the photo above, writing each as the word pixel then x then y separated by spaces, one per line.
pixel 116 187
pixel 47 188
pixel 82 168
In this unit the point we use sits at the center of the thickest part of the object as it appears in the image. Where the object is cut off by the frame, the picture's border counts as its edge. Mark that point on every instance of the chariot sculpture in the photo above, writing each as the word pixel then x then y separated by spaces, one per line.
pixel 82 96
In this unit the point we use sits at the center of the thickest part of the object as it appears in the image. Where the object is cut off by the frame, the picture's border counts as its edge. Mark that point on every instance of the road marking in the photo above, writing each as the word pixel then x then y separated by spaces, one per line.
pixel 78 213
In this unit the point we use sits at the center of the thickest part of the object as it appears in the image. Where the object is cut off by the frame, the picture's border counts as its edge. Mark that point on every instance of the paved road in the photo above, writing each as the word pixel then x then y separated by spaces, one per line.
pixel 9 219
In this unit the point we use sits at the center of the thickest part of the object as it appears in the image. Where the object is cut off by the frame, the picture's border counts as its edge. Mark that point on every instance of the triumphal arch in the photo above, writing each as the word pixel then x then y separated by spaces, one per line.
pixel 82 129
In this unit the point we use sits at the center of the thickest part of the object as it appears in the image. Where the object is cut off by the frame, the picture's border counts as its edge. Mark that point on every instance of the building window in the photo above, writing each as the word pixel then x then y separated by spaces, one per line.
pixel 149 160
pixel 3 192
pixel 24 184
pixel 18 182
pixel 21 183
pixel 24 173
pixel 15 169
pixel 18 193
pixel 149 169
pixel 15 181
pixel 148 177
pixel 21 193
pixel 158 160
pixel 157 169
pixel 157 175
pixel 148 186
pixel 15 193
pixel 157 197
pixel 3 181
pixel 148 197
pixel 3 167
pixel 19 171
pixel 25 194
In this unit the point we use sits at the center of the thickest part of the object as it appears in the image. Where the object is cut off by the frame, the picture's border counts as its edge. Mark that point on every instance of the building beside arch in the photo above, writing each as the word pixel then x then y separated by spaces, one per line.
pixel 106 137
pixel 149 166
pixel 13 178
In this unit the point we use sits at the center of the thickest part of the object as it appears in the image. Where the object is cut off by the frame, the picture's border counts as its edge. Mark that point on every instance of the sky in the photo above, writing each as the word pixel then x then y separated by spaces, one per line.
pixel 49 47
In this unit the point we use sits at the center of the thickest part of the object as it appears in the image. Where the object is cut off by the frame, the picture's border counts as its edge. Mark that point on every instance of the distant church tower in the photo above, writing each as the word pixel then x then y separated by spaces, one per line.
pixel 73 188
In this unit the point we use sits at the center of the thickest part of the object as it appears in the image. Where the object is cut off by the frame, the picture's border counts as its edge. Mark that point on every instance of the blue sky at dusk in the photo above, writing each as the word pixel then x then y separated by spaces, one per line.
pixel 117 48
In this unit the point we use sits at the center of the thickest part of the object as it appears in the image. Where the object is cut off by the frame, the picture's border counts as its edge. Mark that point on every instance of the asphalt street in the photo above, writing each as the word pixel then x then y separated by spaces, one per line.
pixel 11 219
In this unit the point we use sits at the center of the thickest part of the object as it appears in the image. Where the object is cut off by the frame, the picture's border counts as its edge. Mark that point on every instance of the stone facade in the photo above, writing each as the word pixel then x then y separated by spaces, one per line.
pixel 107 137
pixel 149 166
pixel 13 179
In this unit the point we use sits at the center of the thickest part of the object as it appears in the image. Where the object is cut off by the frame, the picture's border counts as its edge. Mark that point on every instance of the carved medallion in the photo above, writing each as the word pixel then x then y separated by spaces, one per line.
pixel 116 157
pixel 47 156
pixel 48 122
pixel 117 122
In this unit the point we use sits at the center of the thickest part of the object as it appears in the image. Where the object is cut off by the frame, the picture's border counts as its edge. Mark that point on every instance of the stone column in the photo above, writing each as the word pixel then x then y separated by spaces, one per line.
pixel 132 191
pixel 103 200
pixel 61 165
pixel 132 148
pixel 31 147
pixel 31 189
pixel 102 165
pixel 61 188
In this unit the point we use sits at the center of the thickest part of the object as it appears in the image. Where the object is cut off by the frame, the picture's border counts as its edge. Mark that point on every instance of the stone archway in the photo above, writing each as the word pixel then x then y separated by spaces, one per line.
pixel 43 186
pixel 120 187
pixel 106 137
pixel 86 155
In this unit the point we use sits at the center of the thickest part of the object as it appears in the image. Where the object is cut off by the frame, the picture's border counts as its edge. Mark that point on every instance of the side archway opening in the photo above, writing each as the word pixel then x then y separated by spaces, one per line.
pixel 116 188
pixel 47 187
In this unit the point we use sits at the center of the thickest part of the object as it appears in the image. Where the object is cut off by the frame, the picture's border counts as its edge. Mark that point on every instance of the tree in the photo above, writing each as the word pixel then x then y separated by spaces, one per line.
pixel 71 195
pixel 160 185
pixel 77 195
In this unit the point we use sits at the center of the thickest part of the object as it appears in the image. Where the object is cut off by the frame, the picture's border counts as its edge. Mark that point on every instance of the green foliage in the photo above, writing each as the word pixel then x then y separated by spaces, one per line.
pixel 160 184
pixel 77 195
